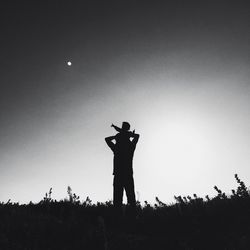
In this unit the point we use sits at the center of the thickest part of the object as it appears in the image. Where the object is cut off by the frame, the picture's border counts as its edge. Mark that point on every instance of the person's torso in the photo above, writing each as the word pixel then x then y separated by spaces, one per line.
pixel 123 159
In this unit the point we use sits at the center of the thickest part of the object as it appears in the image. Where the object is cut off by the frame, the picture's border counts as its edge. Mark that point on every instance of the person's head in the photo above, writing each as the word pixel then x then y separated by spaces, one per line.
pixel 122 138
pixel 125 126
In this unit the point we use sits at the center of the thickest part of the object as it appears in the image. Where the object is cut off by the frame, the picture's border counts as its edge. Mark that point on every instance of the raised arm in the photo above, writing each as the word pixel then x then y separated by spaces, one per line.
pixel 135 137
pixel 116 128
pixel 109 140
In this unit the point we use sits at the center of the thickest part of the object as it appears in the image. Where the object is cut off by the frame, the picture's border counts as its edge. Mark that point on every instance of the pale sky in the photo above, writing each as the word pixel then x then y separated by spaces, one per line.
pixel 178 72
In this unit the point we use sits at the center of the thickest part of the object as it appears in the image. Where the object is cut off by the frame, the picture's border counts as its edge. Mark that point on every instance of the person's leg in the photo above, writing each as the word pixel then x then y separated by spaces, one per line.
pixel 130 192
pixel 118 194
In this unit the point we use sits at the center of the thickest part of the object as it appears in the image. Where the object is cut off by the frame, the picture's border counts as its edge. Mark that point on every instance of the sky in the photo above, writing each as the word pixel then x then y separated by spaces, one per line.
pixel 177 71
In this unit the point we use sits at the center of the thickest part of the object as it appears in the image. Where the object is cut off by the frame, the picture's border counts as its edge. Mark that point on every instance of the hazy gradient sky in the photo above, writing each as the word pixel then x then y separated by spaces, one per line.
pixel 178 71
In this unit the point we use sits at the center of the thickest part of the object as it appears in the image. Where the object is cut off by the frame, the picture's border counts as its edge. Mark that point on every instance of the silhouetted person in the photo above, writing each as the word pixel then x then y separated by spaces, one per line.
pixel 123 149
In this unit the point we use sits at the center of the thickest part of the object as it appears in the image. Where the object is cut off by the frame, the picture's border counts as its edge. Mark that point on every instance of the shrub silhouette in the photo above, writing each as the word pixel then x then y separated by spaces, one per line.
pixel 220 222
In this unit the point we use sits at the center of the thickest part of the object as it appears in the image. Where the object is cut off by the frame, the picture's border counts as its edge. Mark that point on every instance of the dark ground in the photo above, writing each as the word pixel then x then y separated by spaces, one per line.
pixel 222 222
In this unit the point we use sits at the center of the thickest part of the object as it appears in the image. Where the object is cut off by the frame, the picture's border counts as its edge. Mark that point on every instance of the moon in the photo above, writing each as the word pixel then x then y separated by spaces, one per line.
pixel 69 63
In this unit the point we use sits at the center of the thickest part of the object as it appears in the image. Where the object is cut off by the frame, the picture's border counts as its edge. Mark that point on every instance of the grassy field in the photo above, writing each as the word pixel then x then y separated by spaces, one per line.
pixel 221 222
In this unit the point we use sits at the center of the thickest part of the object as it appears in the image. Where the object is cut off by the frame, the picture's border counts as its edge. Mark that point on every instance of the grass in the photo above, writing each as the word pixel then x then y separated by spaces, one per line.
pixel 221 222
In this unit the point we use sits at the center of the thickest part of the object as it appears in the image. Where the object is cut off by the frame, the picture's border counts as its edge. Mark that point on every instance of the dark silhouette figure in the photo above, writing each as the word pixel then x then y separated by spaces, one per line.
pixel 123 149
